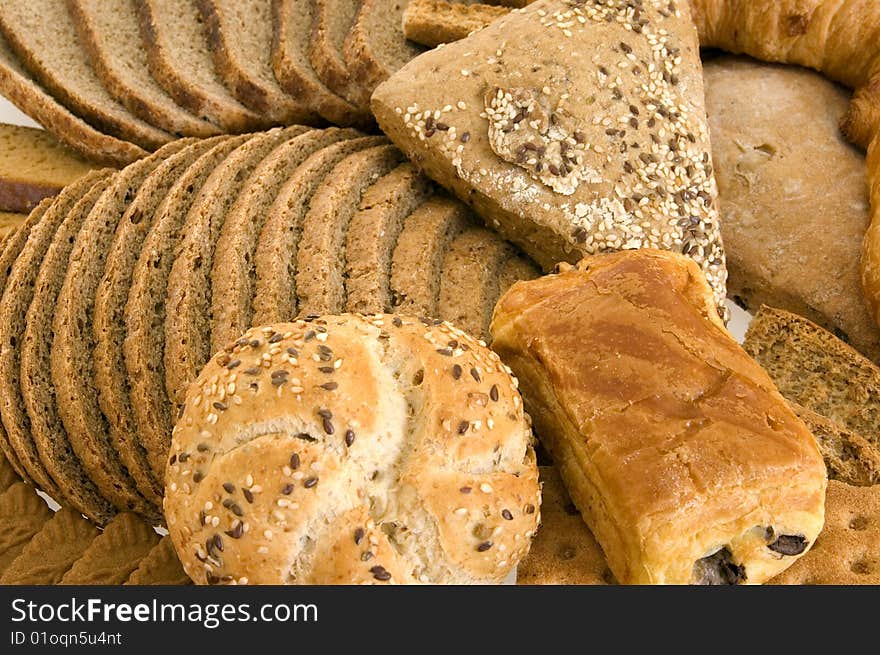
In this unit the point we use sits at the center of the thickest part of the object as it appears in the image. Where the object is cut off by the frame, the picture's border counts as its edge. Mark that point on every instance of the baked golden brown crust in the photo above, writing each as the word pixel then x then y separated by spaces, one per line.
pixel 352 449
pixel 685 461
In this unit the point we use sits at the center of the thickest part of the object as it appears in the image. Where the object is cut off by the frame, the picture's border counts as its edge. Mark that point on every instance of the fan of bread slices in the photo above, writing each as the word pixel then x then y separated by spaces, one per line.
pixel 121 287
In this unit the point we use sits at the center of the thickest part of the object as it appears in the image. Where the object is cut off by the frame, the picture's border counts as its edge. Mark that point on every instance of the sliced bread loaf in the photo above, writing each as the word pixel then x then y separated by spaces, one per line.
pixel 517 268
pixel 813 368
pixel 418 258
pixel 19 87
pixel 33 166
pixel 9 222
pixel 375 48
pixel 373 234
pixel 30 252
pixel 109 326
pixel 52 551
pixel 22 515
pixel 291 31
pixel 332 20
pixel 240 34
pixel 114 554
pixel 187 335
pixel 41 426
pixel 179 58
pixel 110 35
pixel 128 202
pixel 275 296
pixel 469 280
pixel 321 258
pixel 43 36
pixel 233 275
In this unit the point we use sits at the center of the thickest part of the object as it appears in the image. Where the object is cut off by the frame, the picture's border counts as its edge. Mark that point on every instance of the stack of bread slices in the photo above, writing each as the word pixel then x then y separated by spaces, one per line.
pixel 118 79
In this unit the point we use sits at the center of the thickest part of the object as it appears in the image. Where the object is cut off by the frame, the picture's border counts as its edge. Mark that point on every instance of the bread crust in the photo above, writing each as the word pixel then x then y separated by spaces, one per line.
pixel 391 453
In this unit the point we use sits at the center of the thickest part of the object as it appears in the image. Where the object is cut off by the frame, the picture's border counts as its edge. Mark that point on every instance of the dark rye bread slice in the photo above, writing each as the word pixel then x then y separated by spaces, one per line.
pixel 812 367
pixel 240 34
pixel 17 85
pixel 52 551
pixel 112 41
pixel 373 234
pixel 376 47
pixel 275 295
pixel 848 457
pixel 10 251
pixel 469 280
pixel 29 248
pixel 170 187
pixel 145 310
pixel 233 274
pixel 332 20
pixel 43 36
pixel 188 320
pixel 291 31
pixel 22 514
pixel 161 566
pixel 418 258
pixel 43 425
pixel 113 554
pixel 179 59
pixel 125 206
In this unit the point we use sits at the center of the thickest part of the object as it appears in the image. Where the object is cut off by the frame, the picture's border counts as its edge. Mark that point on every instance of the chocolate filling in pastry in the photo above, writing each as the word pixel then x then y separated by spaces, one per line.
pixel 719 569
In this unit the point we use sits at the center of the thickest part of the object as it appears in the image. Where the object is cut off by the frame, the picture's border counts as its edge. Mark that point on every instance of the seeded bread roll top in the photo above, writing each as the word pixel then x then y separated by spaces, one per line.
pixel 352 449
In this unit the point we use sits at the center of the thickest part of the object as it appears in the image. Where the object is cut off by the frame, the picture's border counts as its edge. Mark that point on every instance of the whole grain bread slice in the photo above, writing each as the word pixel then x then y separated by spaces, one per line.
pixel 114 554
pixel 275 296
pixel 432 22
pixel 33 166
pixel 517 268
pixel 469 280
pixel 52 551
pixel 848 456
pixel 145 316
pixel 233 274
pixel 133 196
pixel 161 566
pixel 30 248
pixel 112 41
pixel 109 325
pixel 179 59
pixel 42 34
pixel 22 514
pixel 240 34
pixel 332 20
pixel 9 222
pixel 9 253
pixel 417 262
pixel 291 31
pixel 42 425
pixel 812 367
pixel 109 302
pixel 17 85
pixel 320 266
pixel 187 327
pixel 376 47
pixel 373 234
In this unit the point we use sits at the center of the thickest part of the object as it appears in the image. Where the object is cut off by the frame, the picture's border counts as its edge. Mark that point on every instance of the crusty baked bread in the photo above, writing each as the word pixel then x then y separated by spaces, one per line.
pixel 331 23
pixel 687 464
pixel 603 149
pixel 160 566
pixel 812 367
pixel 564 551
pixel 791 230
pixel 22 514
pixel 871 244
pixel 114 554
pixel 432 22
pixel 33 166
pixel 408 461
pixel 19 87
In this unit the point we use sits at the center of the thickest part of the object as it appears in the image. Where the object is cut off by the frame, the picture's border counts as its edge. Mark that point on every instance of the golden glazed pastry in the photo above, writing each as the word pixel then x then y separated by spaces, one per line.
pixel 352 449
pixel 686 463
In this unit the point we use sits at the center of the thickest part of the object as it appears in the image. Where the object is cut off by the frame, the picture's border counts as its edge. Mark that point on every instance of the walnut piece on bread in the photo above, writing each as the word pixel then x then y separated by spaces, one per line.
pixel 352 449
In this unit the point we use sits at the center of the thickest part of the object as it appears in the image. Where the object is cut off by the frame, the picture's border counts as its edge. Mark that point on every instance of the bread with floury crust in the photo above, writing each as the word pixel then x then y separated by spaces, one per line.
pixel 352 449
pixel 685 461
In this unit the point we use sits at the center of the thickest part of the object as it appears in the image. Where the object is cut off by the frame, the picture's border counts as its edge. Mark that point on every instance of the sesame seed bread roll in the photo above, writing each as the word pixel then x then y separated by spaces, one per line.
pixel 352 449
pixel 586 132
pixel 685 461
